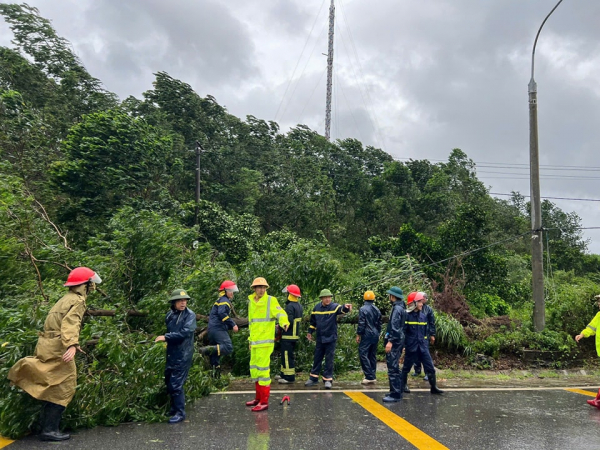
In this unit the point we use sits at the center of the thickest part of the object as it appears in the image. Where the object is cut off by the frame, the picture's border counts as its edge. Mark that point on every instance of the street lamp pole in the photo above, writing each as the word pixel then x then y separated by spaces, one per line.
pixel 537 249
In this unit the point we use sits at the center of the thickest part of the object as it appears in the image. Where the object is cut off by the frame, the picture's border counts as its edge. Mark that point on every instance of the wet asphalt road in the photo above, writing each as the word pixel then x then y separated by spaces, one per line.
pixel 325 420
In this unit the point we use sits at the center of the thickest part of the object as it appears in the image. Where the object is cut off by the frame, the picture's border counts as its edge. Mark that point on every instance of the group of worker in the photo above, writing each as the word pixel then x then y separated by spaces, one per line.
pixel 410 328
pixel 50 375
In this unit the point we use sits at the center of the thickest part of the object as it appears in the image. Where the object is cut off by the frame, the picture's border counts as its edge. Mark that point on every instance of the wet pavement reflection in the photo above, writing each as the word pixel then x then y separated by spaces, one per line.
pixel 536 419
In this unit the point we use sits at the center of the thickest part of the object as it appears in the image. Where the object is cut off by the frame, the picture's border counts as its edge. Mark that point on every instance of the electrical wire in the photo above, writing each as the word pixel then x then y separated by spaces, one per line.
pixel 299 59
pixel 370 109
pixel 468 252
pixel 303 70
pixel 554 198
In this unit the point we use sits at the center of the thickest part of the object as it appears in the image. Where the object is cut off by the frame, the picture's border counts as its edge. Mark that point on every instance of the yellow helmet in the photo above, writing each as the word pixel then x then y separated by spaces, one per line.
pixel 369 295
pixel 260 281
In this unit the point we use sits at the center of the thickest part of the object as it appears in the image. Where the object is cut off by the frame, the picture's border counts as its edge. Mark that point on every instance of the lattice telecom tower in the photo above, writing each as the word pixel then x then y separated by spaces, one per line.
pixel 329 72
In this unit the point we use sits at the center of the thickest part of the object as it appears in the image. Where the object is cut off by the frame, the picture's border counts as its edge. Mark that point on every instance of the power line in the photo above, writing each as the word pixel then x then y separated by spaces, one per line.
pixel 552 176
pixel 466 253
pixel 379 135
pixel 478 163
pixel 299 59
pixel 554 198
pixel 303 70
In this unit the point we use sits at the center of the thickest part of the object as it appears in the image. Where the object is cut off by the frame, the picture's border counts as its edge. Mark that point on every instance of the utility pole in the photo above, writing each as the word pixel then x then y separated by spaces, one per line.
pixel 537 248
pixel 198 150
pixel 329 72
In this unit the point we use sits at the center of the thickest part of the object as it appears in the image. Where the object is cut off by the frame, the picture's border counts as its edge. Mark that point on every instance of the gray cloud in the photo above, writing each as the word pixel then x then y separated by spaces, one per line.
pixel 430 75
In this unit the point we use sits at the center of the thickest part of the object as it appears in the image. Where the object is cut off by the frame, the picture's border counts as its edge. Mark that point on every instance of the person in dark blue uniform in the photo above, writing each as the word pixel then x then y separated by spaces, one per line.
pixel 290 337
pixel 323 320
pixel 367 337
pixel 417 342
pixel 394 343
pixel 181 324
pixel 428 311
pixel 219 323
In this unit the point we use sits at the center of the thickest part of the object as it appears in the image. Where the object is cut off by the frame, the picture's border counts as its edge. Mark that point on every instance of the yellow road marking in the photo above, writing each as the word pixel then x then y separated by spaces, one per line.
pixel 581 391
pixel 408 431
pixel 4 441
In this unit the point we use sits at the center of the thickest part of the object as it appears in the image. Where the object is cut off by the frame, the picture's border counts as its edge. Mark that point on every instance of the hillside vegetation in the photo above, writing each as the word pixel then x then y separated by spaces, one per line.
pixel 89 179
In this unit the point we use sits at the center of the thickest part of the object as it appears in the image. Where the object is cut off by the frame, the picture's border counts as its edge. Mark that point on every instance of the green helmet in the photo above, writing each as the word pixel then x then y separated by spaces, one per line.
pixel 396 292
pixel 178 294
pixel 325 293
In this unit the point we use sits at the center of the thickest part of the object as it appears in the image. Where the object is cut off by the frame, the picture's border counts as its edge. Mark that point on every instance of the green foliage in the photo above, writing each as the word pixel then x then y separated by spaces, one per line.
pixel 234 235
pixel 570 304
pixel 513 342
pixel 121 379
pixel 110 159
pixel 449 332
pixel 483 304
pixel 86 181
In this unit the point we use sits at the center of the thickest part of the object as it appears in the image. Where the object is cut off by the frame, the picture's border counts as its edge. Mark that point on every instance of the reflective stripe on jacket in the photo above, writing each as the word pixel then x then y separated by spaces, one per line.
pixel 369 321
pixel 262 314
pixel 592 329
pixel 415 331
pixel 323 320
pixel 219 318
pixel 294 312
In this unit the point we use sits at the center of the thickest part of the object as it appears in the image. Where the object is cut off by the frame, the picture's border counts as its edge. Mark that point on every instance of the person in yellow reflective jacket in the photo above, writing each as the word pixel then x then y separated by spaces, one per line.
pixel 263 311
pixel 590 330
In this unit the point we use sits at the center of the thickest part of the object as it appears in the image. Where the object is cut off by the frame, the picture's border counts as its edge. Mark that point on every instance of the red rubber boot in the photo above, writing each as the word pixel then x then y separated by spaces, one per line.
pixel 256 400
pixel 596 401
pixel 265 392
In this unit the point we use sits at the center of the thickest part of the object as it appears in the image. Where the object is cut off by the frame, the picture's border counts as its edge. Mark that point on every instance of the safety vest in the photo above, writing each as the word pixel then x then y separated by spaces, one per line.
pixel 262 315
pixel 592 329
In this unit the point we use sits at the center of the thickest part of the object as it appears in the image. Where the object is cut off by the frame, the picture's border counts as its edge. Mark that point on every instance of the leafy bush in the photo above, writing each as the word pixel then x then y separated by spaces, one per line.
pixel 514 342
pixel 449 332
pixel 484 304
pixel 120 379
pixel 570 305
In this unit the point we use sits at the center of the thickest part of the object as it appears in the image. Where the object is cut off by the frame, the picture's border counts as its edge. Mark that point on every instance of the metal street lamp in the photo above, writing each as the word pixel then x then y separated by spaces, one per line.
pixel 537 265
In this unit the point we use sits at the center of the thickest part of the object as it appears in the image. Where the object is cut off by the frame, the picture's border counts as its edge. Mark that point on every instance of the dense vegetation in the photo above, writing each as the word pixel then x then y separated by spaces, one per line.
pixel 88 179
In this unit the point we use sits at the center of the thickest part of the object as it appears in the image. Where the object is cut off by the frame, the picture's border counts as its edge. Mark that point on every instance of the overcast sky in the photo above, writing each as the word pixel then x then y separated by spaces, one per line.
pixel 416 78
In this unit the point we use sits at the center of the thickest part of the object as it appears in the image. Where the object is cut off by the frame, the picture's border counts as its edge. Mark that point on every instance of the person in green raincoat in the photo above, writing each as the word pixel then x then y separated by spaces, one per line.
pixel 51 375
pixel 263 312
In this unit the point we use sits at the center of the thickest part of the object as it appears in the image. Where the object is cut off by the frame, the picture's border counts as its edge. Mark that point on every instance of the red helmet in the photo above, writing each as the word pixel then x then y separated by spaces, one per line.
pixel 81 275
pixel 292 289
pixel 229 285
pixel 415 296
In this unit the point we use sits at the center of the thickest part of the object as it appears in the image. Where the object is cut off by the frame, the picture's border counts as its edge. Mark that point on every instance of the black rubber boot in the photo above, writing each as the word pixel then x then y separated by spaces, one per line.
pixel 404 380
pixel 432 382
pixel 216 372
pixel 51 415
pixel 208 350
pixel 179 407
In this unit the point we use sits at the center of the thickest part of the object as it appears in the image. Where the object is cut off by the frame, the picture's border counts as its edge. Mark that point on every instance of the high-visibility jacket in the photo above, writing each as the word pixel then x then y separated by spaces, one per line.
pixel 294 311
pixel 592 329
pixel 219 318
pixel 262 315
